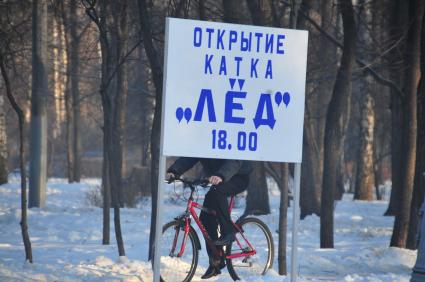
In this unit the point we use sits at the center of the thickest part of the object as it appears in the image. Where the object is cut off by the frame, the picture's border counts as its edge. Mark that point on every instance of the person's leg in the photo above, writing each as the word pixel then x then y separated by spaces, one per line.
pixel 211 225
pixel 234 186
pixel 209 220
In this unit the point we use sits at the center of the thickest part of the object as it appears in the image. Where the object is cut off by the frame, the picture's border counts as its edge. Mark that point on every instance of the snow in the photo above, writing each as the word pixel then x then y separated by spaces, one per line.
pixel 66 238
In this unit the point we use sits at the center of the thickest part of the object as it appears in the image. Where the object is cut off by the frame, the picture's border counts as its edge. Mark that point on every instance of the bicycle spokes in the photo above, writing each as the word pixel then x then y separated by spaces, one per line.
pixel 246 259
pixel 178 253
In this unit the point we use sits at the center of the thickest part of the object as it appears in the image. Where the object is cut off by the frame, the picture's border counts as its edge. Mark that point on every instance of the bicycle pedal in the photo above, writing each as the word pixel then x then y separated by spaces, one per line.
pixel 247 261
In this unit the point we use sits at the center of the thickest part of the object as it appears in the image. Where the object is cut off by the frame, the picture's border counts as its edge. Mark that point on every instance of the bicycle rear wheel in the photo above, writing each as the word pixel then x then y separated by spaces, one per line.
pixel 173 267
pixel 261 239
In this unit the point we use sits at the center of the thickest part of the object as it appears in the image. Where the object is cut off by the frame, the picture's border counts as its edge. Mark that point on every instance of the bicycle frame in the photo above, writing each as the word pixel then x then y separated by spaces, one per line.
pixel 217 252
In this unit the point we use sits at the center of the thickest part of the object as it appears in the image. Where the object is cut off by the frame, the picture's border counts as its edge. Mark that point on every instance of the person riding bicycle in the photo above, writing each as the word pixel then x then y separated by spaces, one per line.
pixel 228 177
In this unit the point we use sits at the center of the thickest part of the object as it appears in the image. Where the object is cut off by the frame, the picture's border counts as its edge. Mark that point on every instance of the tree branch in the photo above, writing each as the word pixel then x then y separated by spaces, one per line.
pixel 382 80
pixel 122 61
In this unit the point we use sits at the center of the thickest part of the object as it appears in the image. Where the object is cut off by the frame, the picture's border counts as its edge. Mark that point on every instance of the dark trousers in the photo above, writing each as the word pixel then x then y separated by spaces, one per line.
pixel 216 199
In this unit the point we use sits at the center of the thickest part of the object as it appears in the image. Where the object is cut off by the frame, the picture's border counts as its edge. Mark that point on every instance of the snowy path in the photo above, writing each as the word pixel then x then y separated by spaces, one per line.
pixel 66 239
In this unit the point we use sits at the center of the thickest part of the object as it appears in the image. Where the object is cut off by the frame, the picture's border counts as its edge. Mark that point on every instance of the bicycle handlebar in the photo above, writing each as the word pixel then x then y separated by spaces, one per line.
pixel 203 182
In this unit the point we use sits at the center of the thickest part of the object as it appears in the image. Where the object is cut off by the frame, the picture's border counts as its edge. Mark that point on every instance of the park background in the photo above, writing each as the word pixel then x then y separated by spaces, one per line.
pixel 80 102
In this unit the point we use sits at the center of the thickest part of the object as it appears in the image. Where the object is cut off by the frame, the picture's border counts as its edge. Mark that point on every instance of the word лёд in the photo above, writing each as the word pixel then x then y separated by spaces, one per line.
pixel 221 39
pixel 264 114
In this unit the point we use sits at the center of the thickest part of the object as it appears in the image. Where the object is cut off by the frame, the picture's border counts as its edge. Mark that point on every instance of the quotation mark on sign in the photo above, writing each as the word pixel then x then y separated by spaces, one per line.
pixel 186 113
pixel 286 98
pixel 278 98
pixel 179 114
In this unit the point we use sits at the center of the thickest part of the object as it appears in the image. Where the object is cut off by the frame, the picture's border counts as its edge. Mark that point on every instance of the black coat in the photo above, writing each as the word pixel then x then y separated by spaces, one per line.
pixel 226 169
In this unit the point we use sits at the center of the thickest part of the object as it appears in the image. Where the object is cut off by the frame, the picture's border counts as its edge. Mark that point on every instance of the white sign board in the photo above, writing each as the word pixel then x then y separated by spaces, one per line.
pixel 234 91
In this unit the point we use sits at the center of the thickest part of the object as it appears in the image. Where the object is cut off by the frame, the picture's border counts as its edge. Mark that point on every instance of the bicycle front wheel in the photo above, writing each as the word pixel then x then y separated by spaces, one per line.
pixel 259 236
pixel 176 265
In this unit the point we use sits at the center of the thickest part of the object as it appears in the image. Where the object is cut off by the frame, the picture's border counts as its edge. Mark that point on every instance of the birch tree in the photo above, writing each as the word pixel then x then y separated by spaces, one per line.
pixel 38 141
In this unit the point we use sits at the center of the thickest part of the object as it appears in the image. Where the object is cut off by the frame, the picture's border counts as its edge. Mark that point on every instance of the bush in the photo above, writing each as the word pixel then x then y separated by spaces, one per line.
pixel 94 196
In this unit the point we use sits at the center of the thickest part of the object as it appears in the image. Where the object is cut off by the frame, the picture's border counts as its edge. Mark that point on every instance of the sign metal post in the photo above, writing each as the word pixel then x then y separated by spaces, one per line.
pixel 161 170
pixel 295 223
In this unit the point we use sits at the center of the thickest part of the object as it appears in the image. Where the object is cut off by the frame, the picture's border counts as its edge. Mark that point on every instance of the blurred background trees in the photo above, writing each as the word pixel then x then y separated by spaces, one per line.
pixel 88 78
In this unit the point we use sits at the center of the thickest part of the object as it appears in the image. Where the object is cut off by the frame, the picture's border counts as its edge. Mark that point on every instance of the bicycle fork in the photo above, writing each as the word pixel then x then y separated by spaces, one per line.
pixel 176 239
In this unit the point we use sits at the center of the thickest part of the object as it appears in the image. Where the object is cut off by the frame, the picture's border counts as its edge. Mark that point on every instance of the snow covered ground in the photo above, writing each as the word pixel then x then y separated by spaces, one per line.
pixel 66 239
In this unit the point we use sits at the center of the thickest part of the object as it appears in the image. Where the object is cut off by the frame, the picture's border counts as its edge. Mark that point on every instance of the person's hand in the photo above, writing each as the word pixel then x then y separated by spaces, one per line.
pixel 215 180
pixel 170 177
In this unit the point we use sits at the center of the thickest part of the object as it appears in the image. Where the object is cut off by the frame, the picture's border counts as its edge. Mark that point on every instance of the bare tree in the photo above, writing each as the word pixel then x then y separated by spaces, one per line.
pixel 364 116
pixel 317 97
pixel 21 120
pixel 400 15
pixel 154 56
pixel 419 185
pixel 157 74
pixel 111 20
pixel 69 17
pixel 68 98
pixel 413 51
pixel 336 121
pixel 381 96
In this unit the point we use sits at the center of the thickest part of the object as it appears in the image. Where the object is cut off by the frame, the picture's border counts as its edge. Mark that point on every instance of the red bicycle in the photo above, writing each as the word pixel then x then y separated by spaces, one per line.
pixel 180 243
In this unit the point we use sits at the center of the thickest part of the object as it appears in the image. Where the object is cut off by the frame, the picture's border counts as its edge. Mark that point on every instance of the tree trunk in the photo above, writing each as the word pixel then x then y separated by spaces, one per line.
pixel 365 116
pixel 21 120
pixel 326 55
pixel 261 12
pixel 68 98
pixel 74 61
pixel 68 134
pixel 257 200
pixel 201 10
pixel 419 185
pixel 58 83
pixel 107 112
pixel 157 75
pixel 232 11
pixel 336 121
pixel 365 175
pixel 400 14
pixel 309 200
pixel 413 51
pixel 340 172
pixel 3 143
pixel 112 26
pixel 144 112
pixel 379 25
pixel 106 191
pixel 145 123
pixel 119 100
pixel 38 141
